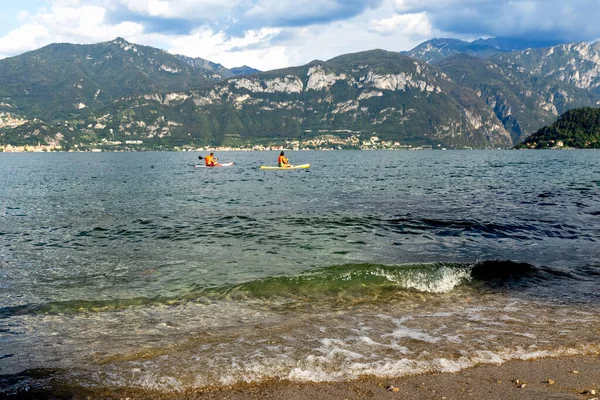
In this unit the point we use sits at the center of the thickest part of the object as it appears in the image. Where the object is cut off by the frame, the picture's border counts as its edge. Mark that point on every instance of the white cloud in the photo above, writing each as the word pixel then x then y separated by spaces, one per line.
pixel 65 23
pixel 232 52
pixel 571 20
pixel 269 34
pixel 183 9
pixel 271 48
pixel 413 25
pixel 357 34
pixel 22 39
pixel 83 23
pixel 75 21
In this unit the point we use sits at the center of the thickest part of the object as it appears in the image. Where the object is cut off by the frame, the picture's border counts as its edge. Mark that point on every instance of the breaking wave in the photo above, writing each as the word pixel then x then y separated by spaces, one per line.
pixel 338 281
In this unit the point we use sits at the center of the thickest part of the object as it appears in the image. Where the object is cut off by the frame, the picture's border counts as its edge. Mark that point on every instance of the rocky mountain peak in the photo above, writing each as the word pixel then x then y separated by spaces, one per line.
pixel 574 63
pixel 119 41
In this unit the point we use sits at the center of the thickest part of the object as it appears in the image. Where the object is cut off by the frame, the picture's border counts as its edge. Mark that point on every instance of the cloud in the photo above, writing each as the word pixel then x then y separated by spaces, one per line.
pixel 252 49
pixel 413 25
pixel 200 11
pixel 574 20
pixel 238 16
pixel 264 34
pixel 269 34
pixel 360 33
pixel 83 23
pixel 277 47
pixel 65 22
pixel 306 12
pixel 22 39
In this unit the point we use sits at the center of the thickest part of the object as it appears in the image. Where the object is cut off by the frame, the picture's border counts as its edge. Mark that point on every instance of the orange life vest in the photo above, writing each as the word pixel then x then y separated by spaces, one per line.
pixel 282 160
pixel 209 160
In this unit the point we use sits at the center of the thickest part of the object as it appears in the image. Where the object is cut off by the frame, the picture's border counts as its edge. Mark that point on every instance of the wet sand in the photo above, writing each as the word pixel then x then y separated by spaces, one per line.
pixel 481 382
pixel 550 378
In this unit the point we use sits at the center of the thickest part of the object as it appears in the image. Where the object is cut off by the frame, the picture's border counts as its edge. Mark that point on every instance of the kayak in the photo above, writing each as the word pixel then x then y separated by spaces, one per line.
pixel 229 164
pixel 301 166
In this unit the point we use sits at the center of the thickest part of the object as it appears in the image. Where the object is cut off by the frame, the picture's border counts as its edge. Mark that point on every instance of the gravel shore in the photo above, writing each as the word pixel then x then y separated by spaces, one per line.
pixel 575 377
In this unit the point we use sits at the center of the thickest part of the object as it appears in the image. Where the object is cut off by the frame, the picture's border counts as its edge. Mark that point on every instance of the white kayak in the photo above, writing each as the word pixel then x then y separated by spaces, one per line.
pixel 301 166
pixel 229 164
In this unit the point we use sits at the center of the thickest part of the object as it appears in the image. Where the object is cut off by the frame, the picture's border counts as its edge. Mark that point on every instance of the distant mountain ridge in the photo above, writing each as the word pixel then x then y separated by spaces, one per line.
pixel 220 71
pixel 73 94
pixel 521 99
pixel 201 63
pixel 244 70
pixel 79 78
pixel 575 63
pixel 435 50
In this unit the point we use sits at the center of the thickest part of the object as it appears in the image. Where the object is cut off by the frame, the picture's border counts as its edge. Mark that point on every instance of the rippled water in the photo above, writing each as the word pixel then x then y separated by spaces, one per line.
pixel 139 270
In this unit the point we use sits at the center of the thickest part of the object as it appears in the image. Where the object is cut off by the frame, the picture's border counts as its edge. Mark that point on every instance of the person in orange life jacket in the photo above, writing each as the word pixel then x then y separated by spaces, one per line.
pixel 282 161
pixel 210 160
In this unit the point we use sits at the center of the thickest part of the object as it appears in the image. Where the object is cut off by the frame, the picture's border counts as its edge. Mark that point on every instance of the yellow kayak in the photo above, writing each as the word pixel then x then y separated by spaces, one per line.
pixel 301 166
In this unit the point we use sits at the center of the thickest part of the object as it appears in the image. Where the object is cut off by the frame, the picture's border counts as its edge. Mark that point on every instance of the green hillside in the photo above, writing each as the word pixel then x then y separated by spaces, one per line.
pixel 579 128
pixel 371 93
pixel 61 80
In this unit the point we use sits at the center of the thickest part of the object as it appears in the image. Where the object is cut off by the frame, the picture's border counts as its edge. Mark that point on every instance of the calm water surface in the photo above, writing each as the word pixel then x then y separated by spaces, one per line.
pixel 139 270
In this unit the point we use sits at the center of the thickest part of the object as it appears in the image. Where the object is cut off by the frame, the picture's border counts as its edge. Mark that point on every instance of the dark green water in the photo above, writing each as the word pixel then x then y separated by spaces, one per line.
pixel 117 269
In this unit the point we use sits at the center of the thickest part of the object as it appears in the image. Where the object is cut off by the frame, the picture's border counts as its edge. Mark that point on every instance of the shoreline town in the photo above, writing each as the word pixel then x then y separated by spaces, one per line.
pixel 324 143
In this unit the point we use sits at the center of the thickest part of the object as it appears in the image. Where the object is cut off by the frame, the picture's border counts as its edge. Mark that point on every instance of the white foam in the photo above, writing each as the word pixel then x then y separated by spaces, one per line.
pixel 367 340
pixel 402 331
pixel 405 366
pixel 386 340
pixel 442 280
pixel 332 354
pixel 307 375
pixel 337 364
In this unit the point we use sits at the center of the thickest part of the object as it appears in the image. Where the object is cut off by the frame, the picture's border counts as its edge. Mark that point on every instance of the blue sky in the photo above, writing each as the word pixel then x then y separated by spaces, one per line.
pixel 268 34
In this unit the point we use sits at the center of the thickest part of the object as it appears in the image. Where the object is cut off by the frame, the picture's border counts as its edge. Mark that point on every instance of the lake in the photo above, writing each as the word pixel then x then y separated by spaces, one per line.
pixel 139 270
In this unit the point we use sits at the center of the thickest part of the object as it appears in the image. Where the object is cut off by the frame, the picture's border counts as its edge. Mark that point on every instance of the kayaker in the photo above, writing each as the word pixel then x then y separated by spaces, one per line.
pixel 210 160
pixel 282 161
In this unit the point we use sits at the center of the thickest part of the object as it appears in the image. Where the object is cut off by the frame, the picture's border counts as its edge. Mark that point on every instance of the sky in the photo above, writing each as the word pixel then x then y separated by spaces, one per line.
pixel 270 34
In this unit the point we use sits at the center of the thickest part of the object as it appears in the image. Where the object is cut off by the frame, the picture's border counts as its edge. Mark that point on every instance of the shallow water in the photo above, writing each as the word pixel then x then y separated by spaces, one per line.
pixel 139 270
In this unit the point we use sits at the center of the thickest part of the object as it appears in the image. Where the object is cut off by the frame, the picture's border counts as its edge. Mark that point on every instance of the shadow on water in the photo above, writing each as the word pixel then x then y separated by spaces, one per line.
pixel 38 384
pixel 42 383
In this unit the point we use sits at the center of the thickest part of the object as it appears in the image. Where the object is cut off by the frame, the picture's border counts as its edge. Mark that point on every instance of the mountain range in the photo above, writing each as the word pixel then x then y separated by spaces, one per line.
pixel 454 96
pixel 437 49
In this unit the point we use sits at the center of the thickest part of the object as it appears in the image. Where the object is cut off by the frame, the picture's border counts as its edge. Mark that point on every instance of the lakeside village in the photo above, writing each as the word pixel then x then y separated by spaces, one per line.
pixel 324 142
